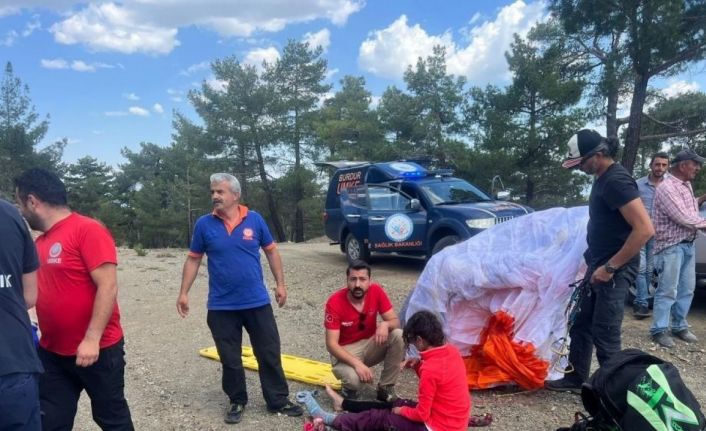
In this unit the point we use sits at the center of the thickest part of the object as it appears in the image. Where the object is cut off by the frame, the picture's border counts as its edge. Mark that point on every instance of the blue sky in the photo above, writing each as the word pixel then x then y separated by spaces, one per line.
pixel 110 74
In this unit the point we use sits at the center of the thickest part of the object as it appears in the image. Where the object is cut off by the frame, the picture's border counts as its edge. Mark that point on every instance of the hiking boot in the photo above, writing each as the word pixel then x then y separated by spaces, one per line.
pixel 640 312
pixel 685 335
pixel 663 339
pixel 234 413
pixel 288 409
pixel 564 385
pixel 386 394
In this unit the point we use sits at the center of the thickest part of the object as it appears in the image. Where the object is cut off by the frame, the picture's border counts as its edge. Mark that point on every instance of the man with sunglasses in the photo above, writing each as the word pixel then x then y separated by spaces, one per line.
pixel 357 341
pixel 618 227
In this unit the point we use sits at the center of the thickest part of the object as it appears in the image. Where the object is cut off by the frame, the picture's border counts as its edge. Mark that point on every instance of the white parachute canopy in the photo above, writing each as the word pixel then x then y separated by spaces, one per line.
pixel 523 267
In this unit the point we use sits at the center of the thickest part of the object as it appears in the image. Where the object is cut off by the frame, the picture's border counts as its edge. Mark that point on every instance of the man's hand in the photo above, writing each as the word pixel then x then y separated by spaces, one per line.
pixel 87 352
pixel 364 373
pixel 600 275
pixel 182 305
pixel 396 410
pixel 381 333
pixel 281 295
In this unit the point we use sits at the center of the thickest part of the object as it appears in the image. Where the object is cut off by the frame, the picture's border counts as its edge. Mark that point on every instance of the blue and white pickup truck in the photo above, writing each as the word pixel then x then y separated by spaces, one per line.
pixel 401 207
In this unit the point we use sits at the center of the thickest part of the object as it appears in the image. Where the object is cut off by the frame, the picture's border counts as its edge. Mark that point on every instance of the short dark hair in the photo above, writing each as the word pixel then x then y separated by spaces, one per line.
pixel 43 184
pixel 357 265
pixel 426 325
pixel 659 155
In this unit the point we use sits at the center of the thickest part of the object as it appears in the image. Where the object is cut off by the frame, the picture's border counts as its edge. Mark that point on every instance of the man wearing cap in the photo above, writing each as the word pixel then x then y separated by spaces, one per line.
pixel 647 186
pixel 618 227
pixel 675 213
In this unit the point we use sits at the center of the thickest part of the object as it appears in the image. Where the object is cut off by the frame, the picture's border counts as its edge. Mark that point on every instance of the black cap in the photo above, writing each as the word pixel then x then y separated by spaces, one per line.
pixel 584 143
pixel 688 154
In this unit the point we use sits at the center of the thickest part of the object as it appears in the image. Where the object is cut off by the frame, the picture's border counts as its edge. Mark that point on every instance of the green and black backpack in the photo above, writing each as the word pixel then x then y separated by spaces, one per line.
pixel 635 391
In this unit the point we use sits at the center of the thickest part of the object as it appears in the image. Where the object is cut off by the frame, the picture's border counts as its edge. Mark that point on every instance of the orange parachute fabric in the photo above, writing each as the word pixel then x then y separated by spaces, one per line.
pixel 498 358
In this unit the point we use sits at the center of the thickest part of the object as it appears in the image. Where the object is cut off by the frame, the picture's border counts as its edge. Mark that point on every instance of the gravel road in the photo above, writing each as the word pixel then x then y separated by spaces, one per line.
pixel 169 387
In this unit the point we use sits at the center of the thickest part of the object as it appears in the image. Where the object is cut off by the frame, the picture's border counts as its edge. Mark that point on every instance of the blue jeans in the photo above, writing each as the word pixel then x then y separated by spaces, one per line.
pixel 19 402
pixel 644 275
pixel 677 280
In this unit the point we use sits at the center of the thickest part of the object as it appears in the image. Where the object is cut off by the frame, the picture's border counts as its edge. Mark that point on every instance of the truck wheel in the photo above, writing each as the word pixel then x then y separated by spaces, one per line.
pixel 355 250
pixel 445 242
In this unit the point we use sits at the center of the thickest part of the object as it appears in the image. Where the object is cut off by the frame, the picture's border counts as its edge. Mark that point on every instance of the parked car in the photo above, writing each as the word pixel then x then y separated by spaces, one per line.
pixel 401 207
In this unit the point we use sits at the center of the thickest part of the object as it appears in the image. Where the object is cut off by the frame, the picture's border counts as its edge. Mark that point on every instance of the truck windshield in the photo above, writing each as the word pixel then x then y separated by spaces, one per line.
pixel 453 192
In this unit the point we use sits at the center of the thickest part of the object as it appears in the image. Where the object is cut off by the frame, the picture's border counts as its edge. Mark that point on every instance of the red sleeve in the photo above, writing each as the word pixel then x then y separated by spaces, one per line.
pixel 384 303
pixel 97 246
pixel 332 318
pixel 425 398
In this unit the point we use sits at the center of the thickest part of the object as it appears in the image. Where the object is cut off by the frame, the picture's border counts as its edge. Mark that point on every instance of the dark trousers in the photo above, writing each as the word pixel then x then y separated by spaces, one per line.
pixel 599 319
pixel 62 382
pixel 19 402
pixel 376 418
pixel 227 330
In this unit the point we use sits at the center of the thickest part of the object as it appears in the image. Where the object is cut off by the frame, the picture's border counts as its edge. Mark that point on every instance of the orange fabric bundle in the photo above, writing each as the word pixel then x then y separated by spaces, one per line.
pixel 499 359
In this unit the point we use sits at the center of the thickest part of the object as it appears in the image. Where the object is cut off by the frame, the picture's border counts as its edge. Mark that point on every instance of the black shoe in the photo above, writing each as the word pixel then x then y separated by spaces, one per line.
pixel 564 385
pixel 685 335
pixel 350 394
pixel 234 413
pixel 288 409
pixel 640 312
pixel 663 339
pixel 386 394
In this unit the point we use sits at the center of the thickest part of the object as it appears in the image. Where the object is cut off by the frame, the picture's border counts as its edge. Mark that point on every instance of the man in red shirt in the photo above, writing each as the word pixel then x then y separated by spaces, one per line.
pixel 357 341
pixel 81 346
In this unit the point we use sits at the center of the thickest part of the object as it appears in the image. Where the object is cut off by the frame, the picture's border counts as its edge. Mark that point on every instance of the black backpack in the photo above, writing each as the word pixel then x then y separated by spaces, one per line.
pixel 635 391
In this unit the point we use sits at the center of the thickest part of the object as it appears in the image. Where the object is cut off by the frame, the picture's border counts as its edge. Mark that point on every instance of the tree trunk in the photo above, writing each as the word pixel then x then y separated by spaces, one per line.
pixel 632 139
pixel 298 188
pixel 529 190
pixel 611 115
pixel 271 204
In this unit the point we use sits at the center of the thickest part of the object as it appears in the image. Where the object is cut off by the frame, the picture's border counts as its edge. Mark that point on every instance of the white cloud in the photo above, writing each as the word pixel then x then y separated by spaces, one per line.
pixel 151 26
pixel 31 26
pixel 136 110
pixel 217 84
pixel 321 38
pixel 158 108
pixel 481 59
pixel 677 87
pixel 57 63
pixel 175 95
pixel 375 101
pixel 115 113
pixel 76 65
pixel 256 56
pixel 195 68
pixel 131 96
pixel 9 39
pixel 331 72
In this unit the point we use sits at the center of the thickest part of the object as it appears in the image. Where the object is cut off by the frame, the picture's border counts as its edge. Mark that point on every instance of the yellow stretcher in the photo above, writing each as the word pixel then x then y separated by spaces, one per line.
pixel 295 368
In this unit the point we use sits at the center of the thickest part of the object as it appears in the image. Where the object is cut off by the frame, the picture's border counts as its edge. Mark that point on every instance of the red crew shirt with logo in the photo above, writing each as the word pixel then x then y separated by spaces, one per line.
pixel 353 325
pixel 68 252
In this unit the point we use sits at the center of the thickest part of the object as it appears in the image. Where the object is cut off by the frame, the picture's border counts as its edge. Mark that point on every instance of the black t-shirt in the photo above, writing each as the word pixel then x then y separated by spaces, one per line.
pixel 17 256
pixel 607 229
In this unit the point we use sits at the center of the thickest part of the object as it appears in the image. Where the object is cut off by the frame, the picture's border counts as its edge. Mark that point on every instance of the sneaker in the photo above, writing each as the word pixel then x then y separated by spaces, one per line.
pixel 640 312
pixel 386 394
pixel 350 394
pixel 663 339
pixel 288 409
pixel 564 385
pixel 234 413
pixel 685 335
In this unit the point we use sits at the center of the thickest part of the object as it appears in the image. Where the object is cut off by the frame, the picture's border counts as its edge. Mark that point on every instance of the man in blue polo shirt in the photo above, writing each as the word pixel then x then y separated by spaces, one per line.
pixel 232 236
pixel 19 363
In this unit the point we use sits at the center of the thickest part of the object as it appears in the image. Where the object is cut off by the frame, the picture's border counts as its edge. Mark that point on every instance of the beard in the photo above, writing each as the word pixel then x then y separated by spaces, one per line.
pixel 357 292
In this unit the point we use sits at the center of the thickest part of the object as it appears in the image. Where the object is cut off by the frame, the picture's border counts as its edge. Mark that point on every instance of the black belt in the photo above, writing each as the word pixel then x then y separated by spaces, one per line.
pixel 686 241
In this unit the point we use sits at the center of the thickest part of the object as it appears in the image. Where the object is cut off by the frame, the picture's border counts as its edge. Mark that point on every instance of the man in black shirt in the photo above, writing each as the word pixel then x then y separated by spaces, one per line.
pixel 19 363
pixel 618 227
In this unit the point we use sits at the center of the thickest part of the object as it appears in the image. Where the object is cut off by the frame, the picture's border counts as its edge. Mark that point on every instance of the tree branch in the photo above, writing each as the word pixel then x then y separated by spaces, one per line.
pixel 682 56
pixel 673 135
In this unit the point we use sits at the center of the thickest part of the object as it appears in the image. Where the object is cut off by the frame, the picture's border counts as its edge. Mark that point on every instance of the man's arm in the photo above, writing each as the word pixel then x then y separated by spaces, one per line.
pixel 635 214
pixel 29 288
pixel 275 261
pixel 188 275
pixel 105 277
pixel 389 322
pixel 335 349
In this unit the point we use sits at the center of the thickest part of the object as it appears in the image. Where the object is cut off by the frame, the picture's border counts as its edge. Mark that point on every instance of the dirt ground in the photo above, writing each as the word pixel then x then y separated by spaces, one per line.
pixel 170 387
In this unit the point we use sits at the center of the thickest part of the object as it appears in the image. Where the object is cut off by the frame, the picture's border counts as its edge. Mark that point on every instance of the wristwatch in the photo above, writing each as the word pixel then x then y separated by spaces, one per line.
pixel 610 269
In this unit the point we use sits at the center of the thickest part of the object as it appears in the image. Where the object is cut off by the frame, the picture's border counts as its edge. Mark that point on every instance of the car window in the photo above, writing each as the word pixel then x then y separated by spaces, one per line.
pixel 453 192
pixel 386 199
